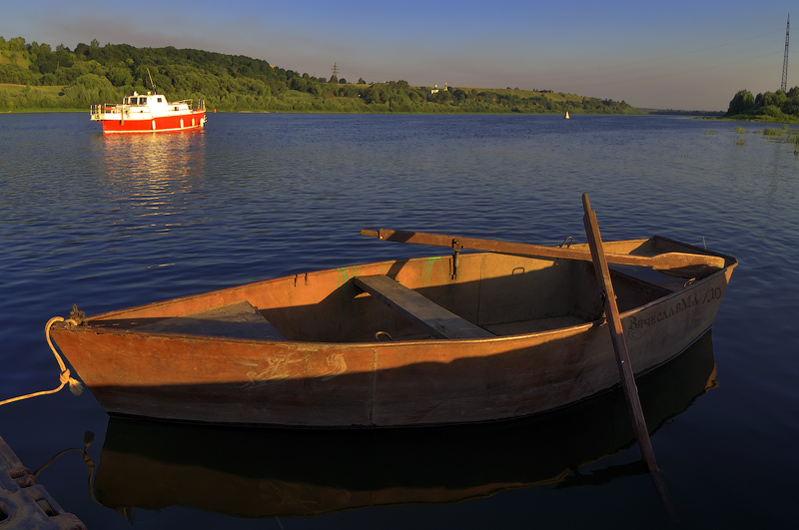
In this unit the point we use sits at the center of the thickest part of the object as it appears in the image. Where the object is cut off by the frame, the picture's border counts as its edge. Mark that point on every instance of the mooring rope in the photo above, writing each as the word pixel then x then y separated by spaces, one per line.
pixel 75 386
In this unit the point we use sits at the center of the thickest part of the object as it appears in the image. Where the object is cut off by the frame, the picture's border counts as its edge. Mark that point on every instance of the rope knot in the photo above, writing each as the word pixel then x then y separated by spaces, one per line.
pixel 75 386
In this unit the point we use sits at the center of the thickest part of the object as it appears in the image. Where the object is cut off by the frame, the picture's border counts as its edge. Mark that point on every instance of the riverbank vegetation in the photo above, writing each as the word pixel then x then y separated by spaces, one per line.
pixel 37 77
pixel 782 135
pixel 775 107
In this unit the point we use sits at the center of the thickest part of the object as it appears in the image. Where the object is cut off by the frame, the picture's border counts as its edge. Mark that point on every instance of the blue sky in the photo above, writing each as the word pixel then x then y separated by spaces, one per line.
pixel 680 54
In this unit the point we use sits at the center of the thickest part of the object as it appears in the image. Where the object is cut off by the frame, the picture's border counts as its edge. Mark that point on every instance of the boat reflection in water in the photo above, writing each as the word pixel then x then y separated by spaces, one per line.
pixel 280 472
pixel 176 159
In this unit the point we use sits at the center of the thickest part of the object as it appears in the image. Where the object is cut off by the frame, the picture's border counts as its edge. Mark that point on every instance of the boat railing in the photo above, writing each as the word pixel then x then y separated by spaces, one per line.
pixel 100 111
pixel 119 108
pixel 107 108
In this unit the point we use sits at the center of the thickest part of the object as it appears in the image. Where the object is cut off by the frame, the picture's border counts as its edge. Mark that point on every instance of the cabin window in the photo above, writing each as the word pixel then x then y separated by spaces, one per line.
pixel 160 100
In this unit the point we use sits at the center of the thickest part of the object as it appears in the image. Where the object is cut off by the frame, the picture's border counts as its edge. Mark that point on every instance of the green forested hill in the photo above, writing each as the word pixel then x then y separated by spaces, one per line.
pixel 37 77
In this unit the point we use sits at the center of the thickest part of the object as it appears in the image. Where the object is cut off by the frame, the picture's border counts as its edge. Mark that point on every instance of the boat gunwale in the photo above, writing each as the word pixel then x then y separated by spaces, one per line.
pixel 387 344
pixel 258 283
pixel 87 324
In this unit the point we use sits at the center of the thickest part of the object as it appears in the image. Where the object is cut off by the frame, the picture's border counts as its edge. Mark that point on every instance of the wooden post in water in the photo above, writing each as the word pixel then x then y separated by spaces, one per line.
pixel 622 356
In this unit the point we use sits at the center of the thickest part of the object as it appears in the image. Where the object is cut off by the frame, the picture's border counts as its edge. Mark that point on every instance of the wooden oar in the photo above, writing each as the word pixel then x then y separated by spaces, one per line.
pixel 666 261
pixel 622 356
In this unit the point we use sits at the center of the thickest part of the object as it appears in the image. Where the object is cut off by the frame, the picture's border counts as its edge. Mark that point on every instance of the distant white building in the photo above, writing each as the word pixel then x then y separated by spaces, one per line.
pixel 435 88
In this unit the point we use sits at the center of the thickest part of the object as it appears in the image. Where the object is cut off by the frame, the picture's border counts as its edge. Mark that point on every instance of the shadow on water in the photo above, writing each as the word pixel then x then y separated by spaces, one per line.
pixel 261 473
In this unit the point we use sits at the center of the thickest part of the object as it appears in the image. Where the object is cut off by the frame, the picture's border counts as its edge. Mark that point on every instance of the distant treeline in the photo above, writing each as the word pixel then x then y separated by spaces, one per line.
pixel 36 76
pixel 771 106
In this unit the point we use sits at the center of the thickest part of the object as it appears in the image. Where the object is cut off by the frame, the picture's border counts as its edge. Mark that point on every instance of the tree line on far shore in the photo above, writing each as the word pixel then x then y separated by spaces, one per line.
pixel 36 76
pixel 776 106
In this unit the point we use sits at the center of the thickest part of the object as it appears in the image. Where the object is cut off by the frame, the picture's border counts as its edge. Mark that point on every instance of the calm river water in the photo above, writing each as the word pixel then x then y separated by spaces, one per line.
pixel 112 222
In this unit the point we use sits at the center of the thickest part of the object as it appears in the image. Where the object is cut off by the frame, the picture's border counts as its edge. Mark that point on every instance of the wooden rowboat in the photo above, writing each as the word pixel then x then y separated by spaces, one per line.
pixel 461 338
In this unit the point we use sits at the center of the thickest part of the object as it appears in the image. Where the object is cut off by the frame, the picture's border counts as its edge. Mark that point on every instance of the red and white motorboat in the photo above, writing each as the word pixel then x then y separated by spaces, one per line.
pixel 149 113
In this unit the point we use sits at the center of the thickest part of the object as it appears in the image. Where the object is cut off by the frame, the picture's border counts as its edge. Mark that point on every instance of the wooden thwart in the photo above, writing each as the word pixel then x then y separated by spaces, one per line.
pixel 666 261
pixel 240 320
pixel 436 320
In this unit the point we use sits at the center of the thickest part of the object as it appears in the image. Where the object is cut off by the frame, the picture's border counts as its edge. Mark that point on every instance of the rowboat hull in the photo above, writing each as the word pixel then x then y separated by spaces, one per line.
pixel 329 368
pixel 154 465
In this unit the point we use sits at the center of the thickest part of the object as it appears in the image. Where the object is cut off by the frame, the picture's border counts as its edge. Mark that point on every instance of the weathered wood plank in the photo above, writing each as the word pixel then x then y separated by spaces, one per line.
pixel 26 504
pixel 240 320
pixel 623 362
pixel 438 321
pixel 666 261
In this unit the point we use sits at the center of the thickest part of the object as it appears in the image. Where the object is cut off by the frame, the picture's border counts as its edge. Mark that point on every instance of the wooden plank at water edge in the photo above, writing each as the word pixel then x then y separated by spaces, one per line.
pixel 26 504
pixel 438 321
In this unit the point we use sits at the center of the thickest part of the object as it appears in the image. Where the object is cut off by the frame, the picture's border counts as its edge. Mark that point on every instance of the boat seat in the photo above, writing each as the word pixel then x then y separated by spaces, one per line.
pixel 436 320
pixel 240 320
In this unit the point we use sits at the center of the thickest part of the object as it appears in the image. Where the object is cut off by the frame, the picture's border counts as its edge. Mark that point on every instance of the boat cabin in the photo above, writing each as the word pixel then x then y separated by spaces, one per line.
pixel 149 99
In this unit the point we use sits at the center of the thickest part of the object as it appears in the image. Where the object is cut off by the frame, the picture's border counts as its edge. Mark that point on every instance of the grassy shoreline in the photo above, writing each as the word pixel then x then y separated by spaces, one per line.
pixel 787 120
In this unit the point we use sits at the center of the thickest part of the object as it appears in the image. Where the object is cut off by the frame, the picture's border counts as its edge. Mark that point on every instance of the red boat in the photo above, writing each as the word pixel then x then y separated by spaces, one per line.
pixel 149 113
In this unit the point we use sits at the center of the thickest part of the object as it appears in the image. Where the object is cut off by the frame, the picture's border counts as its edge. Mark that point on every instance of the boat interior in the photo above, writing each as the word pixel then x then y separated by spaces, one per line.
pixel 459 296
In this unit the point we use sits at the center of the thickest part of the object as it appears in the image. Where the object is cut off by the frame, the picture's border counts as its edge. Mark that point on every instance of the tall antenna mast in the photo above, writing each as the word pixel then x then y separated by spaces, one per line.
pixel 156 91
pixel 334 77
pixel 784 84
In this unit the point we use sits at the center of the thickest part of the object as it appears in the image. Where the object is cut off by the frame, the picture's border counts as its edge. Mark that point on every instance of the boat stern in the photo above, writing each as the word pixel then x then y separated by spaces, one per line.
pixel 105 112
